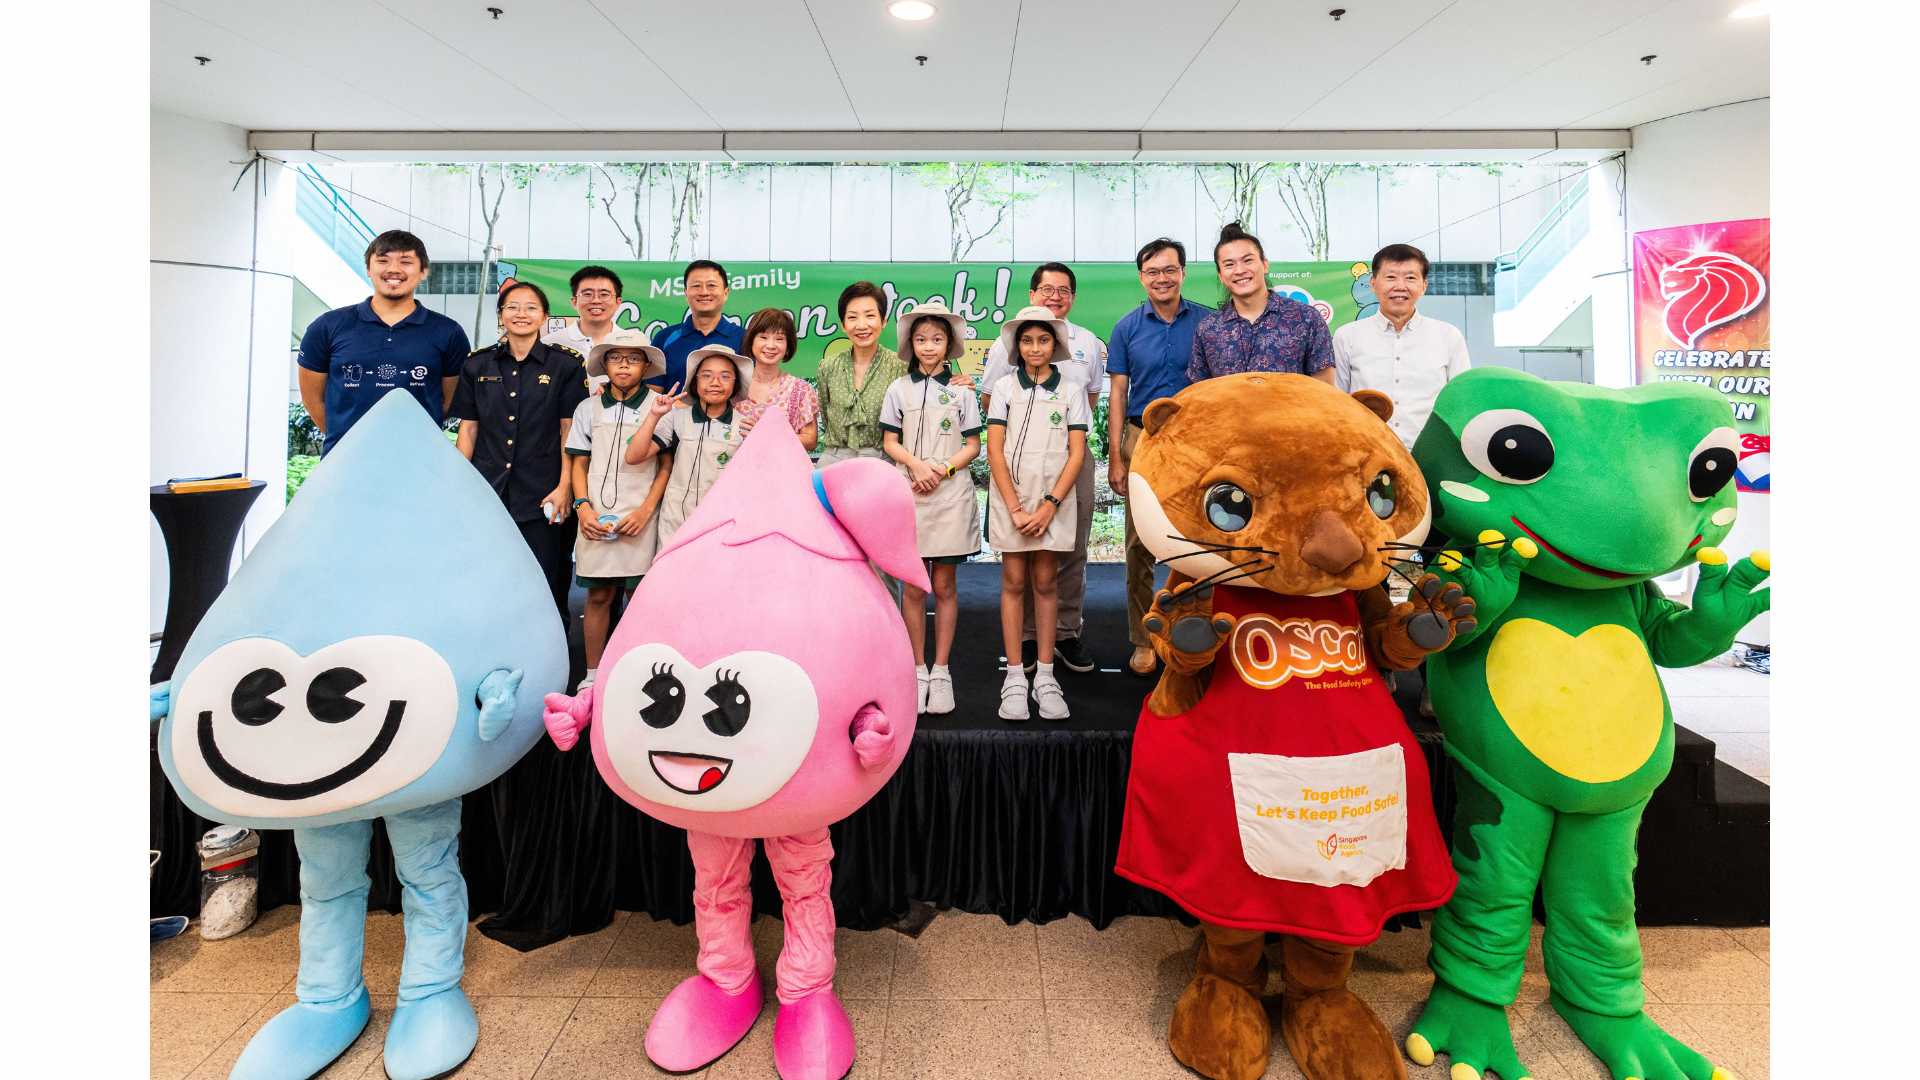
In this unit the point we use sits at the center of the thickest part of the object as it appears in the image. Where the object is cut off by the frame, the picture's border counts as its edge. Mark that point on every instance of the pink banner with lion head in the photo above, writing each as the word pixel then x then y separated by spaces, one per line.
pixel 1702 308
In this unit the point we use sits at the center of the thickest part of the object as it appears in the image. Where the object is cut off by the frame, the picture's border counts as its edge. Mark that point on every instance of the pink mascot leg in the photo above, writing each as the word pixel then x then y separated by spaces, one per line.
pixel 812 1037
pixel 708 1014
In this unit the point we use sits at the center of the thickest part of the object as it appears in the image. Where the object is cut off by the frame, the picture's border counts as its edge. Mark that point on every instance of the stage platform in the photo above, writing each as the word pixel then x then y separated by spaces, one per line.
pixel 1017 820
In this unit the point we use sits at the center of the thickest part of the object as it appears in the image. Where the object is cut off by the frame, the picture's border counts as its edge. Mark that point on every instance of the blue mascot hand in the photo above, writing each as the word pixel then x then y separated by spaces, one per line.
pixel 159 700
pixel 496 699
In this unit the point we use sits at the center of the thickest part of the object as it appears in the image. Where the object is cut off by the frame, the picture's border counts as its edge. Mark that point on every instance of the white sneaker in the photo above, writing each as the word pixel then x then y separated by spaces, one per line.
pixel 1053 703
pixel 920 674
pixel 939 697
pixel 1013 696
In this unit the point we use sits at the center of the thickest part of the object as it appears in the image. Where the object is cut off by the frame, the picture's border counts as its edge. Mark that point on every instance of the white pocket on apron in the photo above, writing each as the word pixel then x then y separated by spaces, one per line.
pixel 1322 820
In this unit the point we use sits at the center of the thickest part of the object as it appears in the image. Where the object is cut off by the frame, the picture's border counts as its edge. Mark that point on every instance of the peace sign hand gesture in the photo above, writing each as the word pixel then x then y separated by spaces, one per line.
pixel 662 404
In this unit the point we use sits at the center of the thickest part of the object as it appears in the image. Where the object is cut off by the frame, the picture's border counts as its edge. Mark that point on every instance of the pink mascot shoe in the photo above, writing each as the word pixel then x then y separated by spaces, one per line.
pixel 761 686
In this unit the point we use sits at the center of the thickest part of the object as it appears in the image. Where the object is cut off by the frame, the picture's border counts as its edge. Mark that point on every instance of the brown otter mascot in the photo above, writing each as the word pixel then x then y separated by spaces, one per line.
pixel 1275 785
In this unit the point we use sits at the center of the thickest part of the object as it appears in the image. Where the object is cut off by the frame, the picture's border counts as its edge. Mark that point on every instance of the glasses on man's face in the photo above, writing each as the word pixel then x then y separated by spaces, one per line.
pixel 1163 273
pixel 597 294
pixel 1053 291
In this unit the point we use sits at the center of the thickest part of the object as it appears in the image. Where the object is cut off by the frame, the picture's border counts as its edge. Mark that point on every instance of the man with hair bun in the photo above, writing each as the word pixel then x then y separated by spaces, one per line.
pixel 1396 350
pixel 1257 329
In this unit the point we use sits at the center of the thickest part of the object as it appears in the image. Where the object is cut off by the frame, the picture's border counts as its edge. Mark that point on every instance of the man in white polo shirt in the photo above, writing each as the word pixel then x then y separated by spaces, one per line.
pixel 596 296
pixel 1052 287
pixel 1396 350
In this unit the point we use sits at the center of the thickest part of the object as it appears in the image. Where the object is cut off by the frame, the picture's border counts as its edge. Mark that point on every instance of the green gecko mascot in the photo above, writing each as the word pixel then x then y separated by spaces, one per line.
pixel 1553 712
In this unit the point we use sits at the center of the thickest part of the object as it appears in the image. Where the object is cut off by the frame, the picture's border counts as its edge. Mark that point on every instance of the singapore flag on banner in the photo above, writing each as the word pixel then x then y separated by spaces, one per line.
pixel 1702 306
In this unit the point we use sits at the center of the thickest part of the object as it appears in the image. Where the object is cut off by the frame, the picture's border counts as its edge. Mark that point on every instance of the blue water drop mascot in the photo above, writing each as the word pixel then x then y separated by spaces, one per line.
pixel 382 652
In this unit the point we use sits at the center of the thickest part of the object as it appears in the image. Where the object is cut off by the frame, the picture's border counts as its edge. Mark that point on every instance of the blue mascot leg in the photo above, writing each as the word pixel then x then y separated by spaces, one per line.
pixel 332 1009
pixel 434 1028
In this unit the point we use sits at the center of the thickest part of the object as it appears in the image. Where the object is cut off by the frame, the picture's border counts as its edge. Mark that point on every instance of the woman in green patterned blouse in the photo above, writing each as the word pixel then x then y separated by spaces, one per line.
pixel 852 384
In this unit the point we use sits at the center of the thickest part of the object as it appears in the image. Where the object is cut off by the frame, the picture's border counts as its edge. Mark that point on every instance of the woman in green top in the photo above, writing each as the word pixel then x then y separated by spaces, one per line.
pixel 853 384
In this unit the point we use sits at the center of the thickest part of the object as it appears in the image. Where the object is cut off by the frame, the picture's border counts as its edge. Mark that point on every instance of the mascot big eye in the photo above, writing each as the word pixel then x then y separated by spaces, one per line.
pixel 760 686
pixel 382 652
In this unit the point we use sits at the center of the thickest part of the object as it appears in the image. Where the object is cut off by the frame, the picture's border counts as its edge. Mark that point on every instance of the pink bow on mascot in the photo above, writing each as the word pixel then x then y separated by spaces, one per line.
pixel 761 685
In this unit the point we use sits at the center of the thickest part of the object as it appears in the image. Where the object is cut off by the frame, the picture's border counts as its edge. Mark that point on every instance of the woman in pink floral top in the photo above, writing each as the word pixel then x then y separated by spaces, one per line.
pixel 771 340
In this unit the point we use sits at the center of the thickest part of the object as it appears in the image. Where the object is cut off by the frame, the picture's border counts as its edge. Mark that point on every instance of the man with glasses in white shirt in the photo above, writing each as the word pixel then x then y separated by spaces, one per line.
pixel 596 296
pixel 1404 355
pixel 1052 287
pixel 1396 350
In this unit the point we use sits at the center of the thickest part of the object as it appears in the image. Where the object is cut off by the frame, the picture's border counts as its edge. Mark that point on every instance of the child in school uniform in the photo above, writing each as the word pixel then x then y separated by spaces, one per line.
pixel 615 501
pixel 932 429
pixel 1036 440
pixel 701 435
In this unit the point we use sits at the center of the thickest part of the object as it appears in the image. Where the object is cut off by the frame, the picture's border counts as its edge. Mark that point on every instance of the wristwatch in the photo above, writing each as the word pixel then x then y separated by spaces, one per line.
pixel 577 502
pixel 949 470
pixel 1049 497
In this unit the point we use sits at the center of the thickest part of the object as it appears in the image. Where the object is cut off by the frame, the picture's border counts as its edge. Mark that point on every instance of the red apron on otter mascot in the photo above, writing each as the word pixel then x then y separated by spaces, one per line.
pixel 1275 785
pixel 1292 797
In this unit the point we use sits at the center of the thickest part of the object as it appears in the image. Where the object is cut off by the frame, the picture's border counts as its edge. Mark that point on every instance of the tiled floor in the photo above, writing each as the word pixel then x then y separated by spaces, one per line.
pixel 970 998
pixel 1729 705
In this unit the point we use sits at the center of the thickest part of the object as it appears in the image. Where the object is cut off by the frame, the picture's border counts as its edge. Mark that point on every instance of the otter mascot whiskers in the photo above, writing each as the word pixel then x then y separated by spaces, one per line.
pixel 1275 785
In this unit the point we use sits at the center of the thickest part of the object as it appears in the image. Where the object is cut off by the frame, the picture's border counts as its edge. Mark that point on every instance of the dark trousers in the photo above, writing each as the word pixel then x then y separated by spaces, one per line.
pixel 552 547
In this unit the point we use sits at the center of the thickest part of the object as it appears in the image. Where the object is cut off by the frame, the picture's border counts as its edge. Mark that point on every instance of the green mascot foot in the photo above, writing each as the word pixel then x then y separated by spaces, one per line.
pixel 1635 1048
pixel 1471 1032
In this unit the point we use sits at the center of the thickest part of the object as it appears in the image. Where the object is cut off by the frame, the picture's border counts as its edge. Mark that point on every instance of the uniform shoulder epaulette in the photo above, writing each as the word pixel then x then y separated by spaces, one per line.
pixel 568 349
pixel 479 350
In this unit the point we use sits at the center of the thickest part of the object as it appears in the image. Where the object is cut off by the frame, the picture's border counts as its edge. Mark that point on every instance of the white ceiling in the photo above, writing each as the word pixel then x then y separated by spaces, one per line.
pixel 846 66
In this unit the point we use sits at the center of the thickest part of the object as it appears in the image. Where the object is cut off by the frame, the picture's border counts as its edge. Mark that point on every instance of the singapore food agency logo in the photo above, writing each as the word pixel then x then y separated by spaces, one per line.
pixel 1335 844
pixel 1330 846
pixel 1708 290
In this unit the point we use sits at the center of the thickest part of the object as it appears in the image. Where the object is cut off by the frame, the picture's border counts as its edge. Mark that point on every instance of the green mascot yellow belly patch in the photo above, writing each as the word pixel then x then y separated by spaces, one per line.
pixel 1587 707
pixel 1629 485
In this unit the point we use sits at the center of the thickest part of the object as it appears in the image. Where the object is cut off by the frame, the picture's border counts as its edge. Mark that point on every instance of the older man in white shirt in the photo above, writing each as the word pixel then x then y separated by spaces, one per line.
pixel 1396 350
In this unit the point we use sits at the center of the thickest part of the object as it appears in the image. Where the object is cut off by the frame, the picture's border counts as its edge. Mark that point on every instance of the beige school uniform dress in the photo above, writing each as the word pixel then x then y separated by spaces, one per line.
pixel 1038 418
pixel 933 419
pixel 701 446
pixel 601 428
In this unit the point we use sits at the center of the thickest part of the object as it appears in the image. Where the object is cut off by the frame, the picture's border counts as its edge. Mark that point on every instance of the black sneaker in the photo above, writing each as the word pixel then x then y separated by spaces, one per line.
pixel 1070 652
pixel 1029 655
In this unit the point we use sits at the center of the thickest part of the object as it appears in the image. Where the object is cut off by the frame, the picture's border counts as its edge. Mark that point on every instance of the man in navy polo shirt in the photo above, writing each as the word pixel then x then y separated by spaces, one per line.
pixel 707 288
pixel 1147 359
pixel 352 356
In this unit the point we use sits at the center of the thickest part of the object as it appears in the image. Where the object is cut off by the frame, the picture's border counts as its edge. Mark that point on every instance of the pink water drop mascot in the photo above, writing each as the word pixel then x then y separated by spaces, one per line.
pixel 761 685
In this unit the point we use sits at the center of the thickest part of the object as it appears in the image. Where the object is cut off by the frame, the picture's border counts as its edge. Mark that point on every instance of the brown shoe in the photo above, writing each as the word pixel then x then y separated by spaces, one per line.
pixel 1330 1032
pixel 1143 662
pixel 1219 1028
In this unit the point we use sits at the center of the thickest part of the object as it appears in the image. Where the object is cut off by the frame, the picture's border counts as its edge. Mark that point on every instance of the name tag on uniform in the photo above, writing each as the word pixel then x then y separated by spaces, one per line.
pixel 486 378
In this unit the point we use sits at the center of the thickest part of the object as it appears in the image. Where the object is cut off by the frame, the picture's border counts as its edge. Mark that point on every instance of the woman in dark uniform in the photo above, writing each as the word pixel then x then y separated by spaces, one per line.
pixel 515 402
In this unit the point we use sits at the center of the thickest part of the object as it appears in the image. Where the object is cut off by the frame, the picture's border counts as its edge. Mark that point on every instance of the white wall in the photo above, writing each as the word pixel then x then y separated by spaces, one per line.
pixel 215 325
pixel 1710 165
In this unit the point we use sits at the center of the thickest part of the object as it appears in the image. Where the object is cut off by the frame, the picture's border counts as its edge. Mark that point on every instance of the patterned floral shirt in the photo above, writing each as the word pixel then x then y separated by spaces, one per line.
pixel 850 416
pixel 1289 336
pixel 792 394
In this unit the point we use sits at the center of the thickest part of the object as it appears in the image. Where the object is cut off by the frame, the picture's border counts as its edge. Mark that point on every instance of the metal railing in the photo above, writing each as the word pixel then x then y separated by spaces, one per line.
pixel 333 219
pixel 1518 271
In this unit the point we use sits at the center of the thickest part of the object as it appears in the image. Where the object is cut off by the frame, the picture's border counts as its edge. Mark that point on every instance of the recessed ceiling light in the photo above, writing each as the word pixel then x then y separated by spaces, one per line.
pixel 911 10
pixel 1754 10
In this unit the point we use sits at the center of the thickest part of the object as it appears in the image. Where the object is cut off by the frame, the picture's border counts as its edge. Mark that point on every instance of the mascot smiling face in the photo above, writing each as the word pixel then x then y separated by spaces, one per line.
pixel 341 675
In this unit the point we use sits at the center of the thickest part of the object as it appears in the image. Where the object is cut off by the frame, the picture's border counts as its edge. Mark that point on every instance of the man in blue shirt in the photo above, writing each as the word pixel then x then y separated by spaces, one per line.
pixel 1147 359
pixel 707 288
pixel 352 356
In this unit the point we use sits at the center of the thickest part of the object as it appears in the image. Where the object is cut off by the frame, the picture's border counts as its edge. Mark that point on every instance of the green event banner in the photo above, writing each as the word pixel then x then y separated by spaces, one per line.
pixel 985 294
